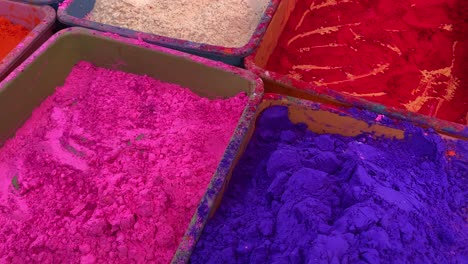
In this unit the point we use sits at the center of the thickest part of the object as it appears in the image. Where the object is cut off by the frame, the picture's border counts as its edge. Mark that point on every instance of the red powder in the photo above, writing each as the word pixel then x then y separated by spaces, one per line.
pixel 10 36
pixel 110 169
pixel 410 54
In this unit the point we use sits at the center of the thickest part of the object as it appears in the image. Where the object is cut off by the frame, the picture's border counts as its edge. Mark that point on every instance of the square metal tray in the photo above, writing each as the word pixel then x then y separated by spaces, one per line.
pixel 34 80
pixel 282 84
pixel 73 13
pixel 320 118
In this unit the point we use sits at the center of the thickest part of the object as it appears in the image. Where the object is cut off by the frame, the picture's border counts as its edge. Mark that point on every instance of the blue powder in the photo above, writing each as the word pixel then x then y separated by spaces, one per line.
pixel 300 197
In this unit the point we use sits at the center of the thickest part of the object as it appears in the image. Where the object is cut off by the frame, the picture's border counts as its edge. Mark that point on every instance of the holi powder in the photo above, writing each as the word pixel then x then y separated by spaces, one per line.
pixel 408 54
pixel 110 168
pixel 10 36
pixel 227 23
pixel 301 197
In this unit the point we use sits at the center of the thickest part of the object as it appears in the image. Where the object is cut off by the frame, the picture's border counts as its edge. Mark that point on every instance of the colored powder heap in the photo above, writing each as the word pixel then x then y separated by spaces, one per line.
pixel 409 54
pixel 10 36
pixel 227 23
pixel 300 197
pixel 110 169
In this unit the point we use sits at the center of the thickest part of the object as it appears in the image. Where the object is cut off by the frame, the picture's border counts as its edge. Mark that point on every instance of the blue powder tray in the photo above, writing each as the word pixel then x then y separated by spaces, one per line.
pixel 319 118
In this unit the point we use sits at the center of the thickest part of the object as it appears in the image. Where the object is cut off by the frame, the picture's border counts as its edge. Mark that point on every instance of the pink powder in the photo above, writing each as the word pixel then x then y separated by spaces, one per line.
pixel 110 169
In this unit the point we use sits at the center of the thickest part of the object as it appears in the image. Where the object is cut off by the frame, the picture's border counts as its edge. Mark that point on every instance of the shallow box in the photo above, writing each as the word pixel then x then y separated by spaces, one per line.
pixel 279 83
pixel 38 19
pixel 319 118
pixel 73 13
pixel 26 87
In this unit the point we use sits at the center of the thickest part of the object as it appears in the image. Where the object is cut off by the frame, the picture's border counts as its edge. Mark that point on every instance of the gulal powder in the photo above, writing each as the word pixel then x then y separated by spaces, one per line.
pixel 227 23
pixel 110 169
pixel 10 36
pixel 301 197
pixel 408 54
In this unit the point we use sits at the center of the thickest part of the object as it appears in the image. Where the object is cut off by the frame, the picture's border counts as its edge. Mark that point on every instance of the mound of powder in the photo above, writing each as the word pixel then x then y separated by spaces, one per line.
pixel 409 54
pixel 10 36
pixel 300 197
pixel 110 169
pixel 227 23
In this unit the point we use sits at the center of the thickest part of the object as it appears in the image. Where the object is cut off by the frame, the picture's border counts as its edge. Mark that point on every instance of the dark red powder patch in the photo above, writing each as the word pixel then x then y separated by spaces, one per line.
pixel 409 54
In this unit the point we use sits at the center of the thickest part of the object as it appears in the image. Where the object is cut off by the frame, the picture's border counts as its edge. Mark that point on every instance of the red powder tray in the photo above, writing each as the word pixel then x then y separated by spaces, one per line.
pixel 289 85
pixel 39 19
pixel 37 77
pixel 73 13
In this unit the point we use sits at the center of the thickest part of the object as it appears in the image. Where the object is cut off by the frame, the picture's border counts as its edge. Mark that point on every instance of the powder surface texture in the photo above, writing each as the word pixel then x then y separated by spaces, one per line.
pixel 300 197
pixel 227 23
pixel 10 36
pixel 409 54
pixel 110 169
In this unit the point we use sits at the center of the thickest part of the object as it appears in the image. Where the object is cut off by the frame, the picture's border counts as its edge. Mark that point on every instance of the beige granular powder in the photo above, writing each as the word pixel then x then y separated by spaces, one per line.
pixel 228 23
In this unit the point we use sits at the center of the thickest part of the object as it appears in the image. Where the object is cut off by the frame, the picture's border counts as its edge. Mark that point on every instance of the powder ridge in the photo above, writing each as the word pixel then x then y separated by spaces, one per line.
pixel 110 169
pixel 227 23
pixel 10 36
pixel 301 197
pixel 408 54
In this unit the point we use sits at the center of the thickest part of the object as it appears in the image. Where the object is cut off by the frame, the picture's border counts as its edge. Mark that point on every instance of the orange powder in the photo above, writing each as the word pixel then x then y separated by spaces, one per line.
pixel 10 36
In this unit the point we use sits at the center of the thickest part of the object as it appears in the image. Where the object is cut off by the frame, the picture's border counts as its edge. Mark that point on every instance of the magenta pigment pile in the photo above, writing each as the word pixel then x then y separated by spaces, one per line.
pixel 301 197
pixel 110 169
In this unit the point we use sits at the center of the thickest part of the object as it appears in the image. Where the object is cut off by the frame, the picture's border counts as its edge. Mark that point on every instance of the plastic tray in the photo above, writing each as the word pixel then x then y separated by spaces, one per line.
pixel 26 87
pixel 282 84
pixel 39 19
pixel 73 13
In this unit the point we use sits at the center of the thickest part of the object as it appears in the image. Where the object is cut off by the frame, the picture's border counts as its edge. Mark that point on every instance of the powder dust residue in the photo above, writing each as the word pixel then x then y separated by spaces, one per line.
pixel 10 36
pixel 301 197
pixel 110 169
pixel 409 54
pixel 227 23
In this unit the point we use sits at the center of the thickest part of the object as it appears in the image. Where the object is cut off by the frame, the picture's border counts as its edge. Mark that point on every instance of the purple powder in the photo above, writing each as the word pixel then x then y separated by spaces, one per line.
pixel 301 197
